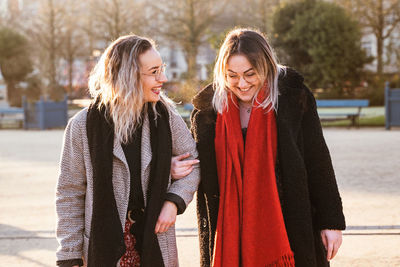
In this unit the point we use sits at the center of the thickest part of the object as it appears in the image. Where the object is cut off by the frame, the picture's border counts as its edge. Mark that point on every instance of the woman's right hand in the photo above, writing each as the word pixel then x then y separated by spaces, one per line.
pixel 180 167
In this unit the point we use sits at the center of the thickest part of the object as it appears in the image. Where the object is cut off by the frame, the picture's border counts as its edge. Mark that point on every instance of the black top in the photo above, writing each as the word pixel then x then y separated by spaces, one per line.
pixel 132 151
pixel 244 132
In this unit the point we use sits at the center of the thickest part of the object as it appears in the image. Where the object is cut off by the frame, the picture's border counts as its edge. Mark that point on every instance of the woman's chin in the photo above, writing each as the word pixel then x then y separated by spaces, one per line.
pixel 153 99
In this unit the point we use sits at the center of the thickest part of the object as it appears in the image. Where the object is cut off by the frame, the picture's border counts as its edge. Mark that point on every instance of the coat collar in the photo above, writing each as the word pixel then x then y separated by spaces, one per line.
pixel 145 147
pixel 119 152
pixel 287 80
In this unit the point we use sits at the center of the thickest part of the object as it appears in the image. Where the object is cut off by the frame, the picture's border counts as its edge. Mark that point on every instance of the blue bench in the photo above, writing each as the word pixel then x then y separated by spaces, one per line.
pixel 10 114
pixel 345 114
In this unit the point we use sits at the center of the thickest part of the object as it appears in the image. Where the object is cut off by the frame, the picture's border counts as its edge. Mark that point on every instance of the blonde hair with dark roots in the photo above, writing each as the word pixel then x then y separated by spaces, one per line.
pixel 115 80
pixel 254 46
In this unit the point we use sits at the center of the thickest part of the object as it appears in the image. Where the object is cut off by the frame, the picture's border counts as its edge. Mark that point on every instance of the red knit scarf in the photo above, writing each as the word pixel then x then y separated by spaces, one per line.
pixel 250 228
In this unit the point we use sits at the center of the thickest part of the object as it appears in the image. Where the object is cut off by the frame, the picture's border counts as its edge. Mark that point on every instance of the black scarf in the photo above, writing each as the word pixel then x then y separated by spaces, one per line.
pixel 106 243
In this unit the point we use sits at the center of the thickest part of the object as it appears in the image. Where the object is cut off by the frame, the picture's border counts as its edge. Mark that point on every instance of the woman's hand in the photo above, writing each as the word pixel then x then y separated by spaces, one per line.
pixel 167 217
pixel 332 239
pixel 180 167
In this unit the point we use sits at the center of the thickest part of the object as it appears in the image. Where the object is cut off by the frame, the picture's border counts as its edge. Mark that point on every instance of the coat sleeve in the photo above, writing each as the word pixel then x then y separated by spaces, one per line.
pixel 70 194
pixel 182 190
pixel 323 189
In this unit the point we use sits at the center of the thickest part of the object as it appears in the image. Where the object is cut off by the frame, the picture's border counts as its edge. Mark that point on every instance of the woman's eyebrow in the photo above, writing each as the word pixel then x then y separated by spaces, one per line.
pixel 243 72
pixel 153 68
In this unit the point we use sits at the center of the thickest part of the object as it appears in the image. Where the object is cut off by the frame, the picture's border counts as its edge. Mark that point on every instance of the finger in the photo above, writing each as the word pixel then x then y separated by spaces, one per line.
pixel 181 169
pixel 158 225
pixel 335 250
pixel 324 241
pixel 163 228
pixel 177 172
pixel 183 173
pixel 188 171
pixel 330 250
pixel 187 163
pixel 183 156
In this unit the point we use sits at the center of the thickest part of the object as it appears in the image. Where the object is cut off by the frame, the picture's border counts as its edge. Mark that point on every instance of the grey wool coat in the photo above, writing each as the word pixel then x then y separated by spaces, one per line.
pixel 74 191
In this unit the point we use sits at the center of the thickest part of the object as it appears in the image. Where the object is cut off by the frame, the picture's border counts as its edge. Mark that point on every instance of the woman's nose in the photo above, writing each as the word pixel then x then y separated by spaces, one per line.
pixel 242 82
pixel 163 78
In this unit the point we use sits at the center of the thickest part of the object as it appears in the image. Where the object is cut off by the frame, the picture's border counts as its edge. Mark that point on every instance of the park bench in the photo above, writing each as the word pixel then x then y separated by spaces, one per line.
pixel 11 115
pixel 345 109
pixel 348 109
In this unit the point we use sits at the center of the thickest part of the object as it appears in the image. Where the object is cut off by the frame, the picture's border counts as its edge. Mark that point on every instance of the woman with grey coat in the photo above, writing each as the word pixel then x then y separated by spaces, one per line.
pixel 116 202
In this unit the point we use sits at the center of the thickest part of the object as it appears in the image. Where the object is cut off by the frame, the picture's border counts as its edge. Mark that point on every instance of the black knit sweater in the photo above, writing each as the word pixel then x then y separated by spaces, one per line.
pixel 305 178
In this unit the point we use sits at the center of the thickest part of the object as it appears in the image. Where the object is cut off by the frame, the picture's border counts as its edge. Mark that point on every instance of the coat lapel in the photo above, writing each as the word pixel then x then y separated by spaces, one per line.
pixel 145 156
pixel 121 181
pixel 119 152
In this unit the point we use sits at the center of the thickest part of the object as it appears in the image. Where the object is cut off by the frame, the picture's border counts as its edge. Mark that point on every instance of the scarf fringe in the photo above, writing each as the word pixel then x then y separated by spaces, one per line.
pixel 284 261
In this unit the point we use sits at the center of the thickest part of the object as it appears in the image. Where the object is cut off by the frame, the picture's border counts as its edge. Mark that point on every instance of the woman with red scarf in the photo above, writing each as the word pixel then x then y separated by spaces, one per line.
pixel 268 194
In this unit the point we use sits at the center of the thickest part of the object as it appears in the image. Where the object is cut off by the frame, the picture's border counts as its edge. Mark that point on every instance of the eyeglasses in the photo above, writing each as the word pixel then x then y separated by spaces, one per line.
pixel 250 77
pixel 156 73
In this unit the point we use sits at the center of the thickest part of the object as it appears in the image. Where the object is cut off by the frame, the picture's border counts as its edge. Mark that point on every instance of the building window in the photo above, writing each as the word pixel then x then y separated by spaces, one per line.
pixel 367 46
pixel 173 59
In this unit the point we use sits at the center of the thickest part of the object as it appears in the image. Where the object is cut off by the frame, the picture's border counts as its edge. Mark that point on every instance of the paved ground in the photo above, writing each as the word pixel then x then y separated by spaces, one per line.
pixel 367 163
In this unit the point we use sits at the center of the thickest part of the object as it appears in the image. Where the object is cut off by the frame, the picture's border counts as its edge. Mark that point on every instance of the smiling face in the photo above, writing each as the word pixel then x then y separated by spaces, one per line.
pixel 151 78
pixel 242 78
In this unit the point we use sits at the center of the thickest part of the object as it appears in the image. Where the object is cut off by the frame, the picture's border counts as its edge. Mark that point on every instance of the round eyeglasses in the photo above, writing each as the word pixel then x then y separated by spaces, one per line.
pixel 250 77
pixel 157 72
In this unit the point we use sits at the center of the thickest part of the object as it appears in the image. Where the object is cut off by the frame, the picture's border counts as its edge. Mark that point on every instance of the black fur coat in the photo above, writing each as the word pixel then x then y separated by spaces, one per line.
pixel 305 178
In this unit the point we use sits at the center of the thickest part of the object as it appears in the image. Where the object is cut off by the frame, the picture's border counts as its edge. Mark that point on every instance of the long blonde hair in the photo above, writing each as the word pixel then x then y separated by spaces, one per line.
pixel 254 46
pixel 115 81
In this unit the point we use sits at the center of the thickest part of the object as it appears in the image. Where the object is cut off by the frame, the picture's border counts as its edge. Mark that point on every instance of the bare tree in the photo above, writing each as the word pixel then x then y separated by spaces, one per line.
pixel 380 17
pixel 109 19
pixel 74 44
pixel 186 23
pixel 47 33
pixel 256 13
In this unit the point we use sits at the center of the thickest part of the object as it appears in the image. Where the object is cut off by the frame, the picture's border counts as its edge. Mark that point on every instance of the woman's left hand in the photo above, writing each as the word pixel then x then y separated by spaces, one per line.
pixel 332 239
pixel 181 167
pixel 167 217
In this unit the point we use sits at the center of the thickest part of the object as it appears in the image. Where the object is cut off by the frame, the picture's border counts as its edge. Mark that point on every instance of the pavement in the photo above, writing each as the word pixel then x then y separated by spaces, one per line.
pixel 366 161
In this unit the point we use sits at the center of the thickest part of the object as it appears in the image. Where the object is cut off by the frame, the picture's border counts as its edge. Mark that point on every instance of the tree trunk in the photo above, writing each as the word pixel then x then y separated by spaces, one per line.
pixel 379 40
pixel 191 55
pixel 13 94
pixel 52 53
pixel 70 74
pixel 379 56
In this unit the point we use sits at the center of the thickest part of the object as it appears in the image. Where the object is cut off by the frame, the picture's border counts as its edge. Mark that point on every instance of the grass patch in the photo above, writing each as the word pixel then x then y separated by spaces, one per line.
pixel 74 106
pixel 378 121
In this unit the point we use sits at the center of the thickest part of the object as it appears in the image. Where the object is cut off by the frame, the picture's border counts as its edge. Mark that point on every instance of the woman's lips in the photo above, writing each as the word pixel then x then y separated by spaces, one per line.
pixel 156 90
pixel 245 90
